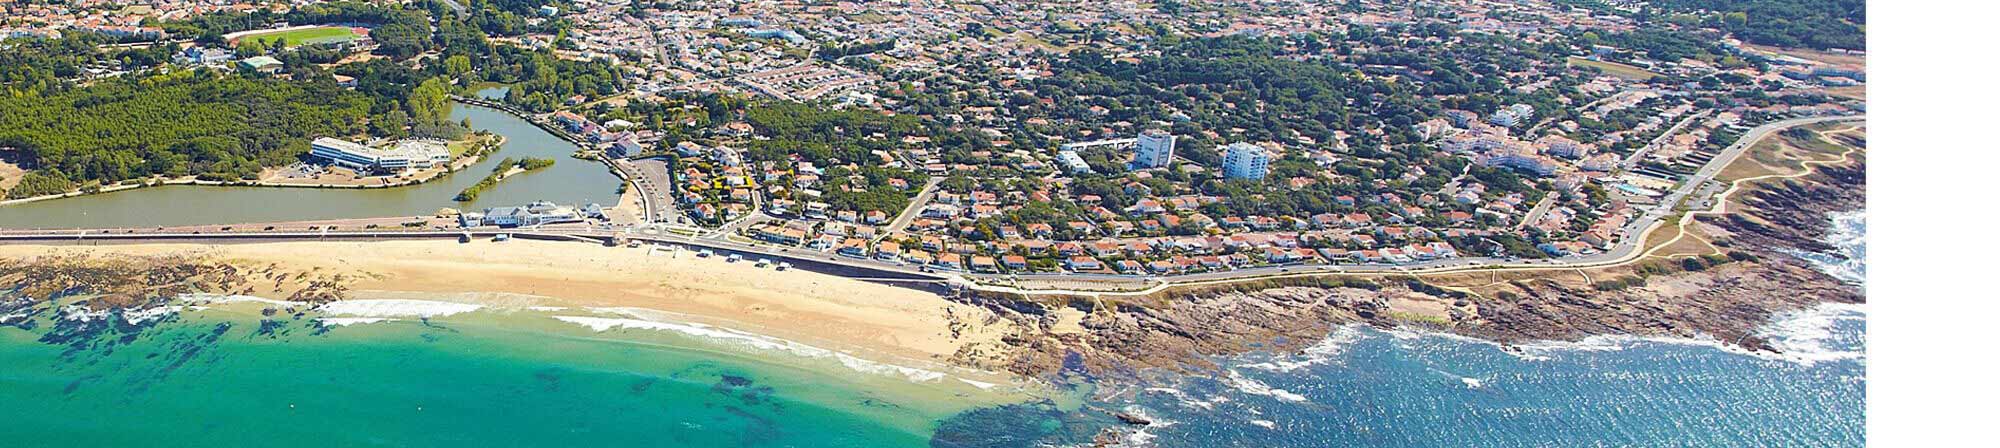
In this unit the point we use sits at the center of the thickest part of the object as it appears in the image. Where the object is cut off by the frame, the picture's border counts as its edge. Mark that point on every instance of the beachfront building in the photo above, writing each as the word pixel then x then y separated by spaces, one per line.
pixel 1246 161
pixel 1155 150
pixel 404 156
pixel 534 214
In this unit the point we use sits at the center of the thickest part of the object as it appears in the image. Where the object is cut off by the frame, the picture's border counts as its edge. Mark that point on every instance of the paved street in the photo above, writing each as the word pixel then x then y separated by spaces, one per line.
pixel 653 182
pixel 910 212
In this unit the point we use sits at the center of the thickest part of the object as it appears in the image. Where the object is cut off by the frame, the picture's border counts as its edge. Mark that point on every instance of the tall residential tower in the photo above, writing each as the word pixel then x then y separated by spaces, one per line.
pixel 1246 161
pixel 1155 150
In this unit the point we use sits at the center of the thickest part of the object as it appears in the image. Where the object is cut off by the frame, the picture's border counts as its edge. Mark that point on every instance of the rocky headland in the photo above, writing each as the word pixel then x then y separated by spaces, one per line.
pixel 1726 296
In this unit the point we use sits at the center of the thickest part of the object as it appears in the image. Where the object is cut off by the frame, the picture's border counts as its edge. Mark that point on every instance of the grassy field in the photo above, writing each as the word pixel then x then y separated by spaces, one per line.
pixel 1783 154
pixel 1814 55
pixel 10 173
pixel 1032 39
pixel 458 148
pixel 1855 92
pixel 303 36
pixel 1615 69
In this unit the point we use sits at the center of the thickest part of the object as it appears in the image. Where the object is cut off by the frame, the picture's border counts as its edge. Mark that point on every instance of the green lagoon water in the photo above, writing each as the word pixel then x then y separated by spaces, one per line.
pixel 229 376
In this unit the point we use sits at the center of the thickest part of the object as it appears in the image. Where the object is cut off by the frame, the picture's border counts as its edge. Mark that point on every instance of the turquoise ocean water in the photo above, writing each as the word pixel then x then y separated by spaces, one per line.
pixel 222 373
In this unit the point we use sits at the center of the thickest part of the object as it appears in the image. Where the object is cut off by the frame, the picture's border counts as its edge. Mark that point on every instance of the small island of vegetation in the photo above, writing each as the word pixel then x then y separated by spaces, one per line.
pixel 507 167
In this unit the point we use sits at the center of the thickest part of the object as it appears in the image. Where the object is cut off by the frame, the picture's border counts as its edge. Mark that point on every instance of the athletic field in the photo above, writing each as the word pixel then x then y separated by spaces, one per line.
pixel 303 36
pixel 1615 69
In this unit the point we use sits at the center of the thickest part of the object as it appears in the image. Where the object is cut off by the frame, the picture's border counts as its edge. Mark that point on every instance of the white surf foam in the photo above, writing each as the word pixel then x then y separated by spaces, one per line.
pixel 1799 343
pixel 344 321
pixel 1608 343
pixel 1139 438
pixel 1188 400
pixel 395 308
pixel 1319 353
pixel 79 313
pixel 139 316
pixel 1254 387
pixel 1849 237
pixel 207 298
pixel 1266 424
pixel 1805 336
pixel 755 341
pixel 1143 436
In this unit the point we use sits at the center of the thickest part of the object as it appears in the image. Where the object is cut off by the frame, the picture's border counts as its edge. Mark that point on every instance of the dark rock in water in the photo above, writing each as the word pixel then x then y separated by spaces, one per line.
pixel 1132 419
pixel 269 327
pixel 746 391
pixel 643 384
pixel 79 382
pixel 757 430
pixel 549 380
pixel 734 381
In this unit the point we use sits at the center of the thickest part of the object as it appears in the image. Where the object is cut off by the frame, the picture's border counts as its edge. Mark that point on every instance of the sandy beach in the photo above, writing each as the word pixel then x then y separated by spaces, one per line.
pixel 871 319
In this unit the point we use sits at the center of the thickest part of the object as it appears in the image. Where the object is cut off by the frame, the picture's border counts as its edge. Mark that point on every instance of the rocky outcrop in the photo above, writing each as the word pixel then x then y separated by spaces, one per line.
pixel 1728 300
pixel 1794 214
pixel 31 286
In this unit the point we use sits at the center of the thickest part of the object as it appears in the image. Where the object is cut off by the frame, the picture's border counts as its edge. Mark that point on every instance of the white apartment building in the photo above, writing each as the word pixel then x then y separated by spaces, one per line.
pixel 1155 150
pixel 1246 161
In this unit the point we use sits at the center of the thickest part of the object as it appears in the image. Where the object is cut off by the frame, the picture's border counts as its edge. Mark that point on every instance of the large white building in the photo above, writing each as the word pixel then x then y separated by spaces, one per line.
pixel 1156 150
pixel 534 214
pixel 1072 162
pixel 405 156
pixel 1246 161
pixel 1512 115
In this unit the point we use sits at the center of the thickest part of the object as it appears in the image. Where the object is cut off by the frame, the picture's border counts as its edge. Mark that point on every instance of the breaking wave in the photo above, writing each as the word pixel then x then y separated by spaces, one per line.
pixel 1324 351
pixel 344 321
pixel 756 341
pixel 1253 387
pixel 395 308
pixel 1849 237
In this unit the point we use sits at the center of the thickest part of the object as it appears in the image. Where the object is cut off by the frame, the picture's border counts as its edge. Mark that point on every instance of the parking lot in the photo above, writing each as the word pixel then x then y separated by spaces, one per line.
pixel 654 183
